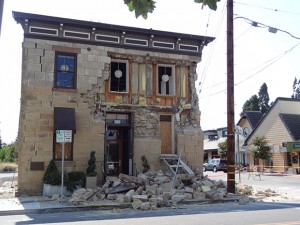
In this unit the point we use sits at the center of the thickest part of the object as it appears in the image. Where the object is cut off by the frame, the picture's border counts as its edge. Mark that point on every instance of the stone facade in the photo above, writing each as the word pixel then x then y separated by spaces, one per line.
pixel 93 103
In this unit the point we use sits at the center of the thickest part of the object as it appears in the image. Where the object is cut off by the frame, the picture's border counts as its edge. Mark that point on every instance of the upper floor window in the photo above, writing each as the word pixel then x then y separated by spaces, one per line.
pixel 165 80
pixel 118 77
pixel 65 70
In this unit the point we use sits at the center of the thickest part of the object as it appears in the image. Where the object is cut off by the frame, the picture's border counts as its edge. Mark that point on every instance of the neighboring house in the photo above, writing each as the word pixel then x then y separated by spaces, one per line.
pixel 120 91
pixel 281 126
pixel 211 140
pixel 245 126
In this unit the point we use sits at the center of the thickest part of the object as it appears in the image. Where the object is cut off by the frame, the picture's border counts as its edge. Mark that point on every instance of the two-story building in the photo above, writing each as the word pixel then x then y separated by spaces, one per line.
pixel 120 91
pixel 212 138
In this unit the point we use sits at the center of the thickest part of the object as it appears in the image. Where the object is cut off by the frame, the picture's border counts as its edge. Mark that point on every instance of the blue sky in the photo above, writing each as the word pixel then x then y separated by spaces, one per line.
pixel 260 56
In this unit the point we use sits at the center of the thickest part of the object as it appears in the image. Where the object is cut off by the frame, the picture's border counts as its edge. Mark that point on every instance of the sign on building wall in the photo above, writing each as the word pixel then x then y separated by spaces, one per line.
pixel 293 146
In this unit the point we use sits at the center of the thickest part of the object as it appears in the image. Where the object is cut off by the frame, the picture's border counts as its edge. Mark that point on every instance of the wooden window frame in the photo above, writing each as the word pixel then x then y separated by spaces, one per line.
pixel 60 70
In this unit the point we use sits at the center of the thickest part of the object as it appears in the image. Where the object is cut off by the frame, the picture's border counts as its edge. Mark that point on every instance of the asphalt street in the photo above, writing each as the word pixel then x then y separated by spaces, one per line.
pixel 286 185
pixel 255 213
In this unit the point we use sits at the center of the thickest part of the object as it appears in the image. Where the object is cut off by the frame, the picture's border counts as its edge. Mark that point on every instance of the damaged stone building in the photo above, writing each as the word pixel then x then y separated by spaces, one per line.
pixel 122 92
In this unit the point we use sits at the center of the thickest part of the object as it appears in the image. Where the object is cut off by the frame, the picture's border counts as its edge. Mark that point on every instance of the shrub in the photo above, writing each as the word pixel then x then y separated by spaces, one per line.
pixel 90 171
pixel 76 178
pixel 9 168
pixel 52 175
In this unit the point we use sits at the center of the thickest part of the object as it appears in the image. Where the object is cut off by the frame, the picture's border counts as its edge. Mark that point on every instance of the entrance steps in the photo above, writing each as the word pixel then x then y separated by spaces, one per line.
pixel 179 169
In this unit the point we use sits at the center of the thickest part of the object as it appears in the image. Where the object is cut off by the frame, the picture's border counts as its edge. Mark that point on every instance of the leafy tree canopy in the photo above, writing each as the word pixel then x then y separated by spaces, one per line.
pixel 258 102
pixel 252 104
pixel 222 149
pixel 263 98
pixel 9 153
pixel 296 89
pixel 143 7
pixel 262 150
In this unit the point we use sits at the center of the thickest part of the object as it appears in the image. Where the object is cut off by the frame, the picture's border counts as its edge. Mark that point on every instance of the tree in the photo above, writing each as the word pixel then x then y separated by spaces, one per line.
pixel 263 98
pixel 262 150
pixel 258 102
pixel 222 149
pixel 296 89
pixel 0 142
pixel 9 153
pixel 143 7
pixel 252 104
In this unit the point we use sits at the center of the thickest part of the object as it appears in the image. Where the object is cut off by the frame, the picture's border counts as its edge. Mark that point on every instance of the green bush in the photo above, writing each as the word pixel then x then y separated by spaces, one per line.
pixel 90 171
pixel 8 168
pixel 52 175
pixel 76 178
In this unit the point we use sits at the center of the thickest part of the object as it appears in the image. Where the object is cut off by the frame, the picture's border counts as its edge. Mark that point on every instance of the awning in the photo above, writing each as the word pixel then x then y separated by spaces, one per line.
pixel 64 119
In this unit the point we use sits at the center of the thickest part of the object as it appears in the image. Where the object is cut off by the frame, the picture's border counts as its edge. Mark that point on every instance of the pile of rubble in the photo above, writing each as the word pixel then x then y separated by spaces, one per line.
pixel 156 189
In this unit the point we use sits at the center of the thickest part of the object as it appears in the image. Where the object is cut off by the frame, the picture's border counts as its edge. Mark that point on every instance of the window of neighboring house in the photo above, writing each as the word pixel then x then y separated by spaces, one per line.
pixel 213 137
pixel 165 80
pixel 68 150
pixel 65 70
pixel 118 77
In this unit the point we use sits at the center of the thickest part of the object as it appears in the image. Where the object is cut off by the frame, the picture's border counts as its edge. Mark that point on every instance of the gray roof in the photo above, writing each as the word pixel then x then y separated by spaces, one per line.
pixel 292 124
pixel 253 117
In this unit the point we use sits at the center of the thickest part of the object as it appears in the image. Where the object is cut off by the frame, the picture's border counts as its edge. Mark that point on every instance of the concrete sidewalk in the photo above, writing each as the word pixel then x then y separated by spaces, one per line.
pixel 39 205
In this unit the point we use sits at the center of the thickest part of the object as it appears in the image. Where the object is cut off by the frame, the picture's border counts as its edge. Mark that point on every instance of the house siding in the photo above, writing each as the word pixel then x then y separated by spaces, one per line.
pixel 275 131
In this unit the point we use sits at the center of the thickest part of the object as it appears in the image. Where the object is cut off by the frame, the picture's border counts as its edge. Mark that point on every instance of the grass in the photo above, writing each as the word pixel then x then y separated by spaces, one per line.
pixel 6 166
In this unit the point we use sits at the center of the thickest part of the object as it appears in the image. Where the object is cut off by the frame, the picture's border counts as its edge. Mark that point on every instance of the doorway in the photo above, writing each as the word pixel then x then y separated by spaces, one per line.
pixel 166 134
pixel 118 139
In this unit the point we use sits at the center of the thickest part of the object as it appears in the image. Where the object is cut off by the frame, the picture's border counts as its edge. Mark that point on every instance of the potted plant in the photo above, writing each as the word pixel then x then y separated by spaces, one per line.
pixel 91 174
pixel 52 181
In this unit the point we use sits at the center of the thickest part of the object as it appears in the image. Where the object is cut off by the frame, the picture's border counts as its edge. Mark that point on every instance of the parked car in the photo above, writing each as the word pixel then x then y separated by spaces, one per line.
pixel 215 165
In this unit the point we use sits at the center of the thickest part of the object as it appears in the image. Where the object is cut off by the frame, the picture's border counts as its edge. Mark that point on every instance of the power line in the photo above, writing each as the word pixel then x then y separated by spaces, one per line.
pixel 204 72
pixel 270 62
pixel 270 28
pixel 271 9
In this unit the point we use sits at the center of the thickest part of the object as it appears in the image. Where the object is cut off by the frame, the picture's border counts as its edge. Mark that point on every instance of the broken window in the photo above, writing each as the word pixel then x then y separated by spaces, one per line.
pixel 181 81
pixel 65 70
pixel 118 77
pixel 165 80
pixel 141 79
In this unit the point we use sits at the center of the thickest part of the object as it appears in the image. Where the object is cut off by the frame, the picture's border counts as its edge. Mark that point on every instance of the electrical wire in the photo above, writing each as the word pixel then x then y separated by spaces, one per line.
pixel 258 24
pixel 207 64
pixel 270 62
pixel 275 10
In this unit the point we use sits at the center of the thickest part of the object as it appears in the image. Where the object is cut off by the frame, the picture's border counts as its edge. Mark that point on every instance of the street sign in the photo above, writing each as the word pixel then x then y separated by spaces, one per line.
pixel 63 136
pixel 60 136
pixel 68 136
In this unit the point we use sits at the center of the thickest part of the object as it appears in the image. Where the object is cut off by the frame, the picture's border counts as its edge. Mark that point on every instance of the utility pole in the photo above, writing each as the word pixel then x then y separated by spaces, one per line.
pixel 230 102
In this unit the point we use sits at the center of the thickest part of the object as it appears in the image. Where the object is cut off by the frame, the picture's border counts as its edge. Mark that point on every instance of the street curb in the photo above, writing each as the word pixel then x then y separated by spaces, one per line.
pixel 96 206
pixel 63 209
